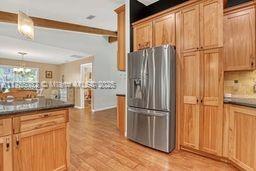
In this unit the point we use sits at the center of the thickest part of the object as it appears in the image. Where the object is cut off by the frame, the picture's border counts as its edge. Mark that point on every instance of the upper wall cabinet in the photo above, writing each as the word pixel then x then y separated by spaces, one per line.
pixel 121 38
pixel 142 36
pixel 164 30
pixel 239 39
pixel 190 29
pixel 211 24
pixel 202 26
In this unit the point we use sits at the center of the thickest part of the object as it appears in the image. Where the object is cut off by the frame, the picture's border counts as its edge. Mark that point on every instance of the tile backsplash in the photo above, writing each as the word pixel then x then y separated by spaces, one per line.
pixel 240 83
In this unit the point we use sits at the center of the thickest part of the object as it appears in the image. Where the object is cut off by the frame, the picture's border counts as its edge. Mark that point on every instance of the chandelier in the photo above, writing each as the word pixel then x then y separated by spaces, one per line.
pixel 25 25
pixel 21 70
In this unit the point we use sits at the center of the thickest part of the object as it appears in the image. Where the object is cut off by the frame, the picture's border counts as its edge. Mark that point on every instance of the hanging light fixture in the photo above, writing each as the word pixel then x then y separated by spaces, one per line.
pixel 21 69
pixel 25 25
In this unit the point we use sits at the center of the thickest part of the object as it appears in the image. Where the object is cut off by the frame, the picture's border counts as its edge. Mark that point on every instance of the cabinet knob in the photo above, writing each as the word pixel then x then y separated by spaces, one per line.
pixel 252 64
pixel 7 144
pixel 17 141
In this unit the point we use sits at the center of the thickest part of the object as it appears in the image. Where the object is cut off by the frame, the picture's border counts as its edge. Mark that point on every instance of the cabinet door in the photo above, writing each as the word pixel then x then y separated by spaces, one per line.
pixel 242 137
pixel 121 38
pixel 211 24
pixel 164 30
pixel 121 114
pixel 190 119
pixel 43 149
pixel 6 153
pixel 190 29
pixel 211 113
pixel 142 36
pixel 239 40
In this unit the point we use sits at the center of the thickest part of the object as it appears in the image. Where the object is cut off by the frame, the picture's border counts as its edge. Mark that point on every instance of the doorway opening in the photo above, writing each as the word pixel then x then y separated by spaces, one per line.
pixel 86 93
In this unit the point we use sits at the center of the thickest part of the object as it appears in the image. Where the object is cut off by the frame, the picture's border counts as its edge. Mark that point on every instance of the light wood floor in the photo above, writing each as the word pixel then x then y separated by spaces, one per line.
pixel 97 145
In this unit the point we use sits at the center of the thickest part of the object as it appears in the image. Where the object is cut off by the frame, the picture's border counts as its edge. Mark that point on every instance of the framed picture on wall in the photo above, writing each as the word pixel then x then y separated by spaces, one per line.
pixel 48 74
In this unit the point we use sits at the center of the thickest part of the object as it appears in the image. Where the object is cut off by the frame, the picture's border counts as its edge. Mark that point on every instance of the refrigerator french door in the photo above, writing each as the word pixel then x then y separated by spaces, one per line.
pixel 151 97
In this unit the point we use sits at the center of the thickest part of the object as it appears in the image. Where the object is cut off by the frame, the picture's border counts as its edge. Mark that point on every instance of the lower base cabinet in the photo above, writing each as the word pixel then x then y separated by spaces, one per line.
pixel 242 137
pixel 121 114
pixel 35 142
pixel 6 153
pixel 42 149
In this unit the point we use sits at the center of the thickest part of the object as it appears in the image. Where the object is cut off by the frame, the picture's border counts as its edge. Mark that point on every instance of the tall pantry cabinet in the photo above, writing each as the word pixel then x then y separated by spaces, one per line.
pixel 202 76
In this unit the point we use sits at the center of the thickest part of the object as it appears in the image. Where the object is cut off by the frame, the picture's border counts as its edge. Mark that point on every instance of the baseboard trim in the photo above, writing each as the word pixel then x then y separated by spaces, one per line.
pixel 78 107
pixel 104 108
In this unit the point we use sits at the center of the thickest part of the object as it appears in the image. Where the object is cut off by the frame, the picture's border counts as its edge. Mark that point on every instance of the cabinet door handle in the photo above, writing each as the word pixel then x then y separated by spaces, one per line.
pixel 197 100
pixel 252 64
pixel 17 141
pixel 7 144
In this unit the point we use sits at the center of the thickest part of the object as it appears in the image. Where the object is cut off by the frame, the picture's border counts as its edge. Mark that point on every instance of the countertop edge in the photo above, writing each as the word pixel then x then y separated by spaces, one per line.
pixel 120 94
pixel 240 104
pixel 32 111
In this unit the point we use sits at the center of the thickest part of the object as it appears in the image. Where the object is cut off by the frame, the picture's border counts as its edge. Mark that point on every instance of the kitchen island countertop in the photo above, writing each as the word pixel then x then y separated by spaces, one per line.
pixel 8 108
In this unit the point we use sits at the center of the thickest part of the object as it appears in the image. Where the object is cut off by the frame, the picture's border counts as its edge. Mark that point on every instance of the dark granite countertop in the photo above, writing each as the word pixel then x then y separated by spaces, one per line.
pixel 119 94
pixel 248 102
pixel 31 105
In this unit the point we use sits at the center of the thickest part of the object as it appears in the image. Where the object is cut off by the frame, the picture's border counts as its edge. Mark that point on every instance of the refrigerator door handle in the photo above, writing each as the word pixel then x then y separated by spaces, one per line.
pixel 148 112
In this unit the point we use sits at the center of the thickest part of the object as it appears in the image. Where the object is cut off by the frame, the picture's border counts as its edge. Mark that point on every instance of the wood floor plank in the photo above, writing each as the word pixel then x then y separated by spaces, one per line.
pixel 97 145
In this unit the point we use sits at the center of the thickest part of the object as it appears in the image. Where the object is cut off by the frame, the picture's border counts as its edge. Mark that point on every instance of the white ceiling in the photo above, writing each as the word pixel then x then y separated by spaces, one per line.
pixel 56 46
pixel 36 52
pixel 50 46
pixel 73 11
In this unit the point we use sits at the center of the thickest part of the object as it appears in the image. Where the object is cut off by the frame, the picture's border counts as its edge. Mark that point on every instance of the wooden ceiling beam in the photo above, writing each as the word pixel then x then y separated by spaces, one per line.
pixel 41 22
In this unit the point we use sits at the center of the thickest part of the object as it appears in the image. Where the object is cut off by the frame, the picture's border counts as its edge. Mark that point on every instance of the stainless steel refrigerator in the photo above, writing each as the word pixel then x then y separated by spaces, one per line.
pixel 151 97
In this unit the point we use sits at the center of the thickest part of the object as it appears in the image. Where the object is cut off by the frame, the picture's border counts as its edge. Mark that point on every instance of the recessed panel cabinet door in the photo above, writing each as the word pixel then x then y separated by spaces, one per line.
pixel 242 137
pixel 142 36
pixel 121 38
pixel 211 117
pixel 190 29
pixel 190 119
pixel 41 149
pixel 239 40
pixel 211 24
pixel 164 30
pixel 6 153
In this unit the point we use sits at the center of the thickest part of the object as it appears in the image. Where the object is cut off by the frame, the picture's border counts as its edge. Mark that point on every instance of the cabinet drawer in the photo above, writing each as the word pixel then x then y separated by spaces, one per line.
pixel 5 127
pixel 31 122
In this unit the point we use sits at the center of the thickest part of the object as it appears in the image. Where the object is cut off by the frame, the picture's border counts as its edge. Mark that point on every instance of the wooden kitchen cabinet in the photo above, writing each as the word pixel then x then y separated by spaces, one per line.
pixel 6 153
pixel 164 30
pixel 142 36
pixel 191 93
pixel 211 114
pixel 202 26
pixel 121 60
pixel 242 137
pixel 121 114
pixel 202 104
pixel 239 39
pixel 211 24
pixel 190 29
pixel 41 149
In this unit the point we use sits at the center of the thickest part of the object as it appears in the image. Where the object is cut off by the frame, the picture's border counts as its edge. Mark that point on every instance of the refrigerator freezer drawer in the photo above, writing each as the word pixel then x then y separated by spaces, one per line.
pixel 150 128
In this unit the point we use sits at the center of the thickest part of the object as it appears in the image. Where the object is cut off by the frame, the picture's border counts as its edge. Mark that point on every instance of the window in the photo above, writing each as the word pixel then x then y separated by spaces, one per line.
pixel 11 75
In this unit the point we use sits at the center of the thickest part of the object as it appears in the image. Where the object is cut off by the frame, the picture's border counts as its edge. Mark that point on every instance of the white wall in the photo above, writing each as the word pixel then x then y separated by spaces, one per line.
pixel 105 67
